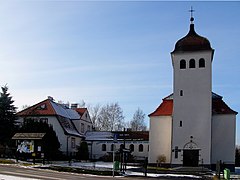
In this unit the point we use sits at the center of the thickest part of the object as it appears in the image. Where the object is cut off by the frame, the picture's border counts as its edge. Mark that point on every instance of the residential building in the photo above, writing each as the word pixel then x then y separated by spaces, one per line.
pixel 101 143
pixel 69 124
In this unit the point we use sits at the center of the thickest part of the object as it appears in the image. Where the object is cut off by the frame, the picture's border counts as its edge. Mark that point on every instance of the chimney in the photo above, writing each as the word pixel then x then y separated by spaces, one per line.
pixel 50 98
pixel 74 106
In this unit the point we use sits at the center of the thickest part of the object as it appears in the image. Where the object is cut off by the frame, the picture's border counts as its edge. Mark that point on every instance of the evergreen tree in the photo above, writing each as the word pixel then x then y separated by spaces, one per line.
pixel 83 153
pixel 7 117
pixel 50 143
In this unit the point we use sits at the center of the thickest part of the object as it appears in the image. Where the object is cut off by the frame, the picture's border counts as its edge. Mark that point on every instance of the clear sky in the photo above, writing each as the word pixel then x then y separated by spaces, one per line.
pixel 103 52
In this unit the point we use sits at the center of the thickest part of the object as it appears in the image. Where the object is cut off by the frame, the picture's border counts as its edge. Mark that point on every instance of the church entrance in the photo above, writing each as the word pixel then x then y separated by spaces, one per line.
pixel 190 157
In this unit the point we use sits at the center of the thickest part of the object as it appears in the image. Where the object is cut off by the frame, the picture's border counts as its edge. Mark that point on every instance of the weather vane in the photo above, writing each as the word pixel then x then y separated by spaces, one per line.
pixel 191 13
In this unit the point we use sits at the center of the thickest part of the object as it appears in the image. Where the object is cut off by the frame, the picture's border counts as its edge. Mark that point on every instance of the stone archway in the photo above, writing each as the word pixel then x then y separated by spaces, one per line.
pixel 190 154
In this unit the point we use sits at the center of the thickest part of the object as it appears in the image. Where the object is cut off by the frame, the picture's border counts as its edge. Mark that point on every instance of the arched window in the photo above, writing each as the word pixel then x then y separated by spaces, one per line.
pixel 112 147
pixel 121 147
pixel 104 147
pixel 192 63
pixel 182 64
pixel 201 63
pixel 131 147
pixel 140 148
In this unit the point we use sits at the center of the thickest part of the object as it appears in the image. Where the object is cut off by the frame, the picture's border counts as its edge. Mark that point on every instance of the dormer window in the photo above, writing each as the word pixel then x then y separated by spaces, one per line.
pixel 192 63
pixel 182 64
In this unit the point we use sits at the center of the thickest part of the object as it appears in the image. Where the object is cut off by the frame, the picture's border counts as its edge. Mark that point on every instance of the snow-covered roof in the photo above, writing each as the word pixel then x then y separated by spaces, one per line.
pixel 120 135
pixel 49 107
pixel 99 136
pixel 64 111
pixel 28 135
pixel 68 126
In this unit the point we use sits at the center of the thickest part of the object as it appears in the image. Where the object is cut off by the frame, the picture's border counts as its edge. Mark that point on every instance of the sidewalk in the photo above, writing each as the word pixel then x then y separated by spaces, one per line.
pixel 137 171
pixel 131 170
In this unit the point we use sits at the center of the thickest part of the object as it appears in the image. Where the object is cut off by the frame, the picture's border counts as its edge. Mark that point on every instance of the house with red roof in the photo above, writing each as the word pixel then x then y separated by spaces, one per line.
pixel 70 124
pixel 193 126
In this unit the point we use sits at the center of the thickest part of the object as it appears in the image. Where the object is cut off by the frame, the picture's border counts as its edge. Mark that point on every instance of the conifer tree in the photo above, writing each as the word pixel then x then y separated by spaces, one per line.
pixel 7 116
pixel 83 153
pixel 50 143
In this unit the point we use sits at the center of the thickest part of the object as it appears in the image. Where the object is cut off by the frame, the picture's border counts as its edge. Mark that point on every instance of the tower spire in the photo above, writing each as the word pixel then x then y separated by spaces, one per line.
pixel 191 14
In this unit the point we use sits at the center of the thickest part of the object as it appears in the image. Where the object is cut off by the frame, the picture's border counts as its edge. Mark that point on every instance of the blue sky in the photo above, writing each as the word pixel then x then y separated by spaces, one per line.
pixel 103 52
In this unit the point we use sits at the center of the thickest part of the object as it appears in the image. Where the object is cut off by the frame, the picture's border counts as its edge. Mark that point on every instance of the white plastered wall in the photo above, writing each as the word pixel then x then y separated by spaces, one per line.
pixel 160 134
pixel 62 138
pixel 223 138
pixel 97 148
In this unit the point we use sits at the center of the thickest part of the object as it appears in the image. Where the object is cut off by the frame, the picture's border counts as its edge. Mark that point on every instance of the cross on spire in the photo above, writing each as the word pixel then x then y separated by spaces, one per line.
pixel 191 14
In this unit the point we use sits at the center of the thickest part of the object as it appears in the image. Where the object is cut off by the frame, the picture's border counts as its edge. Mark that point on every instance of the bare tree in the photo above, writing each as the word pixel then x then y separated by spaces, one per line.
pixel 94 112
pixel 111 118
pixel 138 121
pixel 82 104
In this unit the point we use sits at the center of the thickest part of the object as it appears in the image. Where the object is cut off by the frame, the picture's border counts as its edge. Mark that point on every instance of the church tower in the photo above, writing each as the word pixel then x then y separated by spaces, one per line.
pixel 193 126
pixel 192 100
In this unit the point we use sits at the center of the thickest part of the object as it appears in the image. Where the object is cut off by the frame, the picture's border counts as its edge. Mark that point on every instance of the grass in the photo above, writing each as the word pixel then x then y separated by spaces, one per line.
pixel 7 161
pixel 10 161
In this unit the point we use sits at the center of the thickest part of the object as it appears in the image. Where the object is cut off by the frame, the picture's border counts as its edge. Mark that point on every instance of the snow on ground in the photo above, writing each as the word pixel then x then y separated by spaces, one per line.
pixel 7 177
pixel 130 173
pixel 109 165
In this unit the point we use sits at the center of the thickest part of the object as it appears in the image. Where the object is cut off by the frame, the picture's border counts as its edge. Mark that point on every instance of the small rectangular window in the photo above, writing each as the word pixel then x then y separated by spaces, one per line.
pixel 176 151
pixel 181 92
pixel 180 124
pixel 44 120
pixel 73 142
pixel 82 128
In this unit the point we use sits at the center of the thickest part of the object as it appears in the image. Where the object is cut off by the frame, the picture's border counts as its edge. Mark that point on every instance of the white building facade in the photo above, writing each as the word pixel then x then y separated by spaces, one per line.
pixel 101 144
pixel 69 124
pixel 193 126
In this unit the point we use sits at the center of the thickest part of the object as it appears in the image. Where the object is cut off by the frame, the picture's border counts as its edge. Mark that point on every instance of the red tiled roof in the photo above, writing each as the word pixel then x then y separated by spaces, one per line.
pixel 81 111
pixel 42 108
pixel 165 109
pixel 63 114
pixel 218 107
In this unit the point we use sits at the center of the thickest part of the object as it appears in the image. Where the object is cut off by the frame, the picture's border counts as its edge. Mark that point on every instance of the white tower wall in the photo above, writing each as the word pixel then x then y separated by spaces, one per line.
pixel 192 104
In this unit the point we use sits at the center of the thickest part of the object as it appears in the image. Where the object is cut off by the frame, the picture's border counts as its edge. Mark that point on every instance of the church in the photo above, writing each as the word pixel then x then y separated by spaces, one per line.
pixel 193 126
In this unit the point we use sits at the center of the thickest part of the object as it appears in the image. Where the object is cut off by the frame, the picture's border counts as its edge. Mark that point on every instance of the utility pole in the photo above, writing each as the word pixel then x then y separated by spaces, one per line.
pixel 114 141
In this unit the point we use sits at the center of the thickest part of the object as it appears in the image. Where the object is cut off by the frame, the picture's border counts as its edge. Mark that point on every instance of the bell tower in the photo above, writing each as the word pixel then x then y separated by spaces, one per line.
pixel 192 99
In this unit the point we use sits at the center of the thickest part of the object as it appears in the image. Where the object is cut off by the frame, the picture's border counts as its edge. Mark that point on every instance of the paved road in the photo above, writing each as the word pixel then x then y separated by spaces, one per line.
pixel 35 174
pixel 24 173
